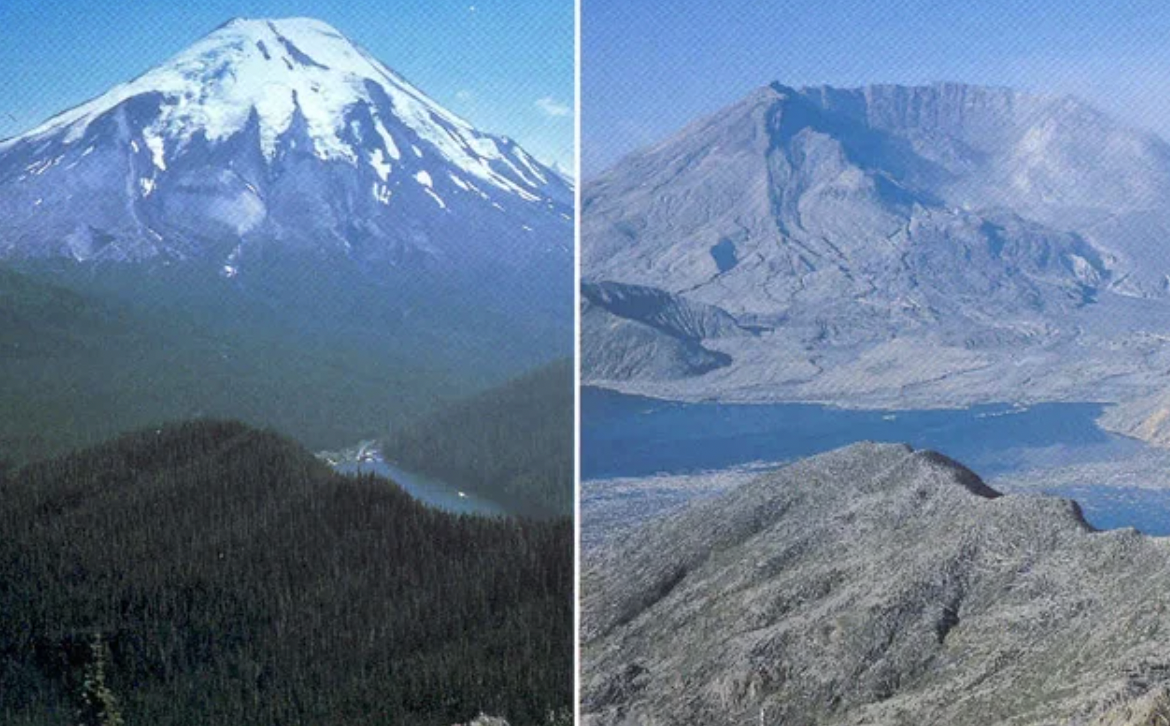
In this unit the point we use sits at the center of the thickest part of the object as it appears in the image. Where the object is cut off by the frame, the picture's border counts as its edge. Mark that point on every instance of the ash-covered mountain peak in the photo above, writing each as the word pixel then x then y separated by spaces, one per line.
pixel 858 227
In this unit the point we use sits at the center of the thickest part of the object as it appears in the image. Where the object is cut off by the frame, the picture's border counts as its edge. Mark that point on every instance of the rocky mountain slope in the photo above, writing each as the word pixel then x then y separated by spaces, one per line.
pixel 856 229
pixel 877 585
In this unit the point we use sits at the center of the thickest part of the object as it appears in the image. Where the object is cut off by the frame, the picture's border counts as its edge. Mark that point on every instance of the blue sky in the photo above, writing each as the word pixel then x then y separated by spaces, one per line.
pixel 505 65
pixel 650 68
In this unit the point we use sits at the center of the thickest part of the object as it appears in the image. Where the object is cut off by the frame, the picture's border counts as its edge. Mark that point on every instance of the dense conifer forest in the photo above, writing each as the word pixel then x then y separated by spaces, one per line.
pixel 512 444
pixel 209 573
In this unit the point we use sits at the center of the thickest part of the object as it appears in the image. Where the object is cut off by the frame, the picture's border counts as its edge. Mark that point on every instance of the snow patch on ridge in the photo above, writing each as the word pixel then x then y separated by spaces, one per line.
pixel 387 140
pixel 382 193
pixel 380 164
pixel 157 149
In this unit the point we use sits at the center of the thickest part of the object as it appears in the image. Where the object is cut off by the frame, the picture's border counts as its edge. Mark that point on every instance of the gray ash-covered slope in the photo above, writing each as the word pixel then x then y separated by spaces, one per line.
pixel 1145 417
pixel 877 585
pixel 635 330
pixel 852 230
pixel 276 134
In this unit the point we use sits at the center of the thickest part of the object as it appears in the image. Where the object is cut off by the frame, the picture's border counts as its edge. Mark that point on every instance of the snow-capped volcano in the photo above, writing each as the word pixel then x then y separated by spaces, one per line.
pixel 274 131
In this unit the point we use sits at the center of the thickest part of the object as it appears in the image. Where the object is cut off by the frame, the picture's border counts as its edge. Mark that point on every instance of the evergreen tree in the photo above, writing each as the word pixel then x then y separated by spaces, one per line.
pixel 99 706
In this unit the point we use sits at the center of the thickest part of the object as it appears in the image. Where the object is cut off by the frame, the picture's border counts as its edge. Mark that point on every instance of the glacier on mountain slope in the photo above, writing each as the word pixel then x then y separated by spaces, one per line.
pixel 893 246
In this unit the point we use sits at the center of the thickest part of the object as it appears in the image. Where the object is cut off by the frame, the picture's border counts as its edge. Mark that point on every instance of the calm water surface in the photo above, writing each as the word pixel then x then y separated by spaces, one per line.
pixel 633 436
pixel 428 490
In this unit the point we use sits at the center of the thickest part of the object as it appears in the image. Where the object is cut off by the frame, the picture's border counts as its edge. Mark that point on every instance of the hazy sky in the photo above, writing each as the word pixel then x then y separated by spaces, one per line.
pixel 505 65
pixel 650 68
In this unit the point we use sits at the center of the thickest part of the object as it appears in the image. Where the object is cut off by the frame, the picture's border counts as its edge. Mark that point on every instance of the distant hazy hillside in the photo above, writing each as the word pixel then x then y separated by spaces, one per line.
pixel 237 580
pixel 513 444
pixel 876 584
pixel 81 361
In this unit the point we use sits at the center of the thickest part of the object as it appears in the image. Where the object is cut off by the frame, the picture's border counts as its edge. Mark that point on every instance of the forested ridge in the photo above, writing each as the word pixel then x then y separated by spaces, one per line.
pixel 512 444
pixel 217 574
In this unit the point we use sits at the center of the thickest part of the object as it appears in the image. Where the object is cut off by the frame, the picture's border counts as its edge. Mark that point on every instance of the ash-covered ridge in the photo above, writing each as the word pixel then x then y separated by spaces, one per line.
pixel 880 585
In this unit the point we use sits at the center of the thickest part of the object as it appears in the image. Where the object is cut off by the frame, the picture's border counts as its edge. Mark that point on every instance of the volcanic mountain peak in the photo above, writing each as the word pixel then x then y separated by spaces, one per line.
pixel 277 70
pixel 278 134
pixel 882 221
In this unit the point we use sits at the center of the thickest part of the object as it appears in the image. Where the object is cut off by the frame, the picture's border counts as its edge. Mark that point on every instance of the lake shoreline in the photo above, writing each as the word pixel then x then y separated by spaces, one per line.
pixel 367 458
pixel 633 446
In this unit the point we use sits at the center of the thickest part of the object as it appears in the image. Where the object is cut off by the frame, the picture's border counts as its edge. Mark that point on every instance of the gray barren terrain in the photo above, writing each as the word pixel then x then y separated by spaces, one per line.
pixel 876 585
pixel 886 246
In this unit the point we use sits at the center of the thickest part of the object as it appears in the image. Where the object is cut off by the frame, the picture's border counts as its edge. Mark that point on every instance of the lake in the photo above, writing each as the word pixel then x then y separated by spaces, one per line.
pixel 633 436
pixel 428 490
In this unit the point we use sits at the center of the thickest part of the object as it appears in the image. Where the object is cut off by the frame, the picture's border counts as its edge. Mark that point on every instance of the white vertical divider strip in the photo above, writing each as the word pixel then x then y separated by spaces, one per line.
pixel 577 361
